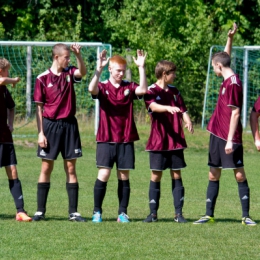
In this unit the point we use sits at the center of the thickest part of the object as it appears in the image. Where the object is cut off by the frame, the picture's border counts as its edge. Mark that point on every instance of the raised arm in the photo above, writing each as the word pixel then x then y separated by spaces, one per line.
pixel 82 70
pixel 140 62
pixel 231 34
pixel 255 128
pixel 101 63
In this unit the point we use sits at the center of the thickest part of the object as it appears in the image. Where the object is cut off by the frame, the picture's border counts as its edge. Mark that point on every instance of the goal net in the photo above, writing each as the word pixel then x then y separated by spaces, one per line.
pixel 29 59
pixel 245 61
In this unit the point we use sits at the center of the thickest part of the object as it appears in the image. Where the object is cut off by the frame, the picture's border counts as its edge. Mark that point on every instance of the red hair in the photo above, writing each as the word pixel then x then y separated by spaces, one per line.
pixel 117 59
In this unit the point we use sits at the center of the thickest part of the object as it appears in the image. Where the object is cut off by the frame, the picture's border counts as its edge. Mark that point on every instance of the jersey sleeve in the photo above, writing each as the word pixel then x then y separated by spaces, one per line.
pixel 149 98
pixel 39 93
pixel 235 95
pixel 72 69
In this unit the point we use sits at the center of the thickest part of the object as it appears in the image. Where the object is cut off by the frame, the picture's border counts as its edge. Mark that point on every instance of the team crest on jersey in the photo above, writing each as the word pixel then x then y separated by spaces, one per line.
pixel 223 91
pixel 68 78
pixel 126 92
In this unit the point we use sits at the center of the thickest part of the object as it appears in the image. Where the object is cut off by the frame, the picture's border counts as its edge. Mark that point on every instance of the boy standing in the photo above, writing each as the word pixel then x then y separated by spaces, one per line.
pixel 166 142
pixel 225 146
pixel 7 151
pixel 117 130
pixel 57 126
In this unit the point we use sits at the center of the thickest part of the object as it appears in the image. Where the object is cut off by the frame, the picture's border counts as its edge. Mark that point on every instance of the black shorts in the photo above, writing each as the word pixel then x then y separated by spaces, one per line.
pixel 120 153
pixel 218 157
pixel 7 155
pixel 62 136
pixel 162 160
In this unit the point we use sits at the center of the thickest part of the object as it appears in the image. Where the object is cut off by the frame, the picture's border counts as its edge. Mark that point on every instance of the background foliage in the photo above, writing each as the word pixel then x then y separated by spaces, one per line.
pixel 179 30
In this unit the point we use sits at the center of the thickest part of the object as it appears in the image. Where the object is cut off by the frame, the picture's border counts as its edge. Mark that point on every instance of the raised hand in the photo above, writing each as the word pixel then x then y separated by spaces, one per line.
pixel 141 56
pixel 103 60
pixel 232 32
pixel 75 47
pixel 16 80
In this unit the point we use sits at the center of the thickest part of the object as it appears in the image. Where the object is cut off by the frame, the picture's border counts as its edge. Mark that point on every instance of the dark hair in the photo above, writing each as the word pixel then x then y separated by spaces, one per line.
pixel 58 48
pixel 164 66
pixel 222 57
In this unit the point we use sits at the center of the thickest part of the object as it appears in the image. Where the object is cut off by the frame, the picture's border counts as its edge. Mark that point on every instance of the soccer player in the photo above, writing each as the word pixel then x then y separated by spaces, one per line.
pixel 57 126
pixel 225 145
pixel 254 115
pixel 117 130
pixel 7 151
pixel 166 142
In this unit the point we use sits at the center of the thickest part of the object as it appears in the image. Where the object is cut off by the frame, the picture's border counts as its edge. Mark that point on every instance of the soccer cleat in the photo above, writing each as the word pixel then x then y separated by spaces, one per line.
pixel 151 218
pixel 248 221
pixel 97 217
pixel 123 218
pixel 38 216
pixel 205 219
pixel 180 219
pixel 22 216
pixel 76 217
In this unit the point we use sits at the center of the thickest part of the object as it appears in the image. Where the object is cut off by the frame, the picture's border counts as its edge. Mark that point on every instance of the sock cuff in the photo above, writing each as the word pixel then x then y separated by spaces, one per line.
pixel 155 185
pixel 100 184
pixel 243 184
pixel 44 184
pixel 74 185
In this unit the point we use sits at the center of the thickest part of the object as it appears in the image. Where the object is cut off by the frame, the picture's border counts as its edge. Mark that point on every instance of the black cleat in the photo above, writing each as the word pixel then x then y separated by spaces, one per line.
pixel 180 219
pixel 76 217
pixel 151 218
pixel 38 216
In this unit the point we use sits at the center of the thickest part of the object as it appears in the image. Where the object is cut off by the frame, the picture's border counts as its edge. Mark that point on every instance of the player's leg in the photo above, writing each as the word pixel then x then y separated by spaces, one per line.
pixel 178 192
pixel 53 132
pixel 100 188
pixel 70 148
pixel 72 188
pixel 176 162
pixel 123 192
pixel 105 157
pixel 43 188
pixel 244 195
pixel 125 161
pixel 216 150
pixel 8 160
pixel 154 195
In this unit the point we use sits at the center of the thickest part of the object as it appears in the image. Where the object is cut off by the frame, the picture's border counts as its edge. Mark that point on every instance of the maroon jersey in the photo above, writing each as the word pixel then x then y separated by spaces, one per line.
pixel 166 129
pixel 230 95
pixel 256 107
pixel 6 102
pixel 116 120
pixel 56 93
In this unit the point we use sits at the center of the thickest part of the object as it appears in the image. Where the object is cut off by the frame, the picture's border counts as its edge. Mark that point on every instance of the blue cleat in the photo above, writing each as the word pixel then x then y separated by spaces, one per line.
pixel 123 218
pixel 96 218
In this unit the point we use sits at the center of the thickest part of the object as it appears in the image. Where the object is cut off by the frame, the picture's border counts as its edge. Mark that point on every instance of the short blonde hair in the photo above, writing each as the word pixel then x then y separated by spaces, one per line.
pixel 58 48
pixel 4 64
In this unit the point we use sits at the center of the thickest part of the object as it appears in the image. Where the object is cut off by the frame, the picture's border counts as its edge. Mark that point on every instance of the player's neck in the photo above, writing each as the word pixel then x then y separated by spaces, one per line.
pixel 55 69
pixel 227 73
pixel 162 84
pixel 114 82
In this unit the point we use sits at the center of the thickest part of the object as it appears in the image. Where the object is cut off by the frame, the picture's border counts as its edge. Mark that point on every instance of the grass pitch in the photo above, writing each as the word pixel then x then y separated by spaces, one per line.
pixel 57 238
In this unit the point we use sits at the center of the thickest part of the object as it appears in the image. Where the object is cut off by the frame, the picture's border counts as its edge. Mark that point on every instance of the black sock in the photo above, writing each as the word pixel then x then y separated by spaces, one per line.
pixel 176 183
pixel 154 196
pixel 212 194
pixel 42 194
pixel 123 192
pixel 244 195
pixel 17 193
pixel 73 194
pixel 99 194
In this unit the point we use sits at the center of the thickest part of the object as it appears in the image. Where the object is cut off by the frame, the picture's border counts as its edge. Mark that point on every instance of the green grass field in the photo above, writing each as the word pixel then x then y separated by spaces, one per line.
pixel 57 238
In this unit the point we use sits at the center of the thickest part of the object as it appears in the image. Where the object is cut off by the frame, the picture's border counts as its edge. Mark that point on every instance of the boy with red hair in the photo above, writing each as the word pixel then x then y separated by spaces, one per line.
pixel 117 130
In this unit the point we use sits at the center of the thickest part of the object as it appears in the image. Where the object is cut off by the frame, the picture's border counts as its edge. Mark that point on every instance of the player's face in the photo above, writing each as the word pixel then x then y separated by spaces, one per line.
pixel 63 59
pixel 169 78
pixel 5 72
pixel 216 68
pixel 117 72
